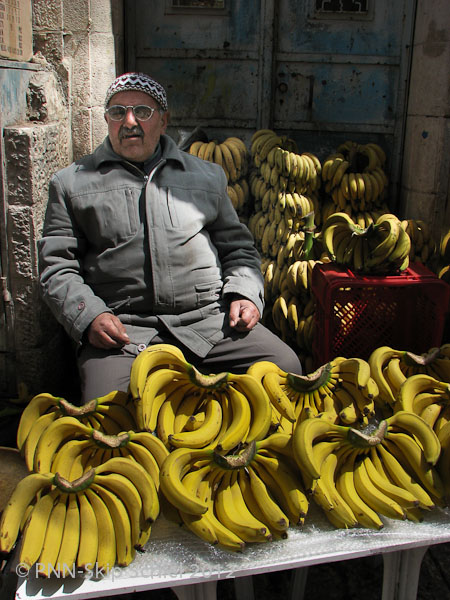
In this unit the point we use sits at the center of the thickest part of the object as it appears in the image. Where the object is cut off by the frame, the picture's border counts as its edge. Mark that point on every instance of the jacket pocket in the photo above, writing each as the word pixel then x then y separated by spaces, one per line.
pixel 108 218
pixel 208 292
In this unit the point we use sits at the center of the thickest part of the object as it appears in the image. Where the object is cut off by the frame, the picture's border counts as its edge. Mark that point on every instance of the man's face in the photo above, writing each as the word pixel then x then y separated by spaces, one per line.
pixel 133 139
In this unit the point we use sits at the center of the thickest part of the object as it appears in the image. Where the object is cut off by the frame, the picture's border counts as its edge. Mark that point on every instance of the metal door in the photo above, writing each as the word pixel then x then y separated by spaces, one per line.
pixel 320 70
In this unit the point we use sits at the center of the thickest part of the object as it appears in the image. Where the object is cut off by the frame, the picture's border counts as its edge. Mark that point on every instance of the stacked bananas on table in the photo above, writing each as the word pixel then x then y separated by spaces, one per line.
pixel 382 248
pixel 230 500
pixel 234 458
pixel 93 521
pixel 232 155
pixel 111 413
pixel 354 176
pixel 342 390
pixel 391 367
pixel 360 475
pixel 213 426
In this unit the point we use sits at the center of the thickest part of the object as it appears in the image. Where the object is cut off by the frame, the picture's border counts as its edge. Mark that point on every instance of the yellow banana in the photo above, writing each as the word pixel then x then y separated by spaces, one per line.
pixel 106 552
pixel 152 357
pixel 141 480
pixel 33 535
pixel 34 434
pixel 273 515
pixel 37 406
pixel 401 477
pixel 23 495
pixel 382 481
pixel 54 531
pixel 206 433
pixel 278 396
pixel 304 436
pixel 88 543
pixel 412 424
pixel 345 484
pixel 232 511
pixel 406 449
pixel 125 551
pixel 237 431
pixel 67 555
pixel 372 495
pixel 171 474
pixel 286 486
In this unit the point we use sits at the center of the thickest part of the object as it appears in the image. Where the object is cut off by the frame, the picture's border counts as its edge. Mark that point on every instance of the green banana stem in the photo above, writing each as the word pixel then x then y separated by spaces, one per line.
pixel 310 382
pixel 104 440
pixel 77 485
pixel 413 360
pixel 207 381
pixel 371 435
pixel 70 410
pixel 236 461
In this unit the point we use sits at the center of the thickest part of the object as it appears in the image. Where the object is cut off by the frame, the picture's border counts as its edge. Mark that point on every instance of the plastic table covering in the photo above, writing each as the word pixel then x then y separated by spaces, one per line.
pixel 176 558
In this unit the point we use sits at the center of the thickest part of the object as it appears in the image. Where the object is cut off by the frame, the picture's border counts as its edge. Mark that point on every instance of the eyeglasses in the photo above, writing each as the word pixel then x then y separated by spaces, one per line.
pixel 141 112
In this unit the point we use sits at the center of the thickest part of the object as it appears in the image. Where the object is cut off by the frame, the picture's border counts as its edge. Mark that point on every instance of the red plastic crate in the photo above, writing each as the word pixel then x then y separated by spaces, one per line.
pixel 356 314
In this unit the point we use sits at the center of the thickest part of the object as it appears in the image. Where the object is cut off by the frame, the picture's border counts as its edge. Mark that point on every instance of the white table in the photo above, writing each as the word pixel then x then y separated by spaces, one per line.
pixel 175 558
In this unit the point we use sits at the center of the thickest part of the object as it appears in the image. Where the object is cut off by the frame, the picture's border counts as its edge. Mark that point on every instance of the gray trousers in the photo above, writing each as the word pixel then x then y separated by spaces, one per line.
pixel 102 371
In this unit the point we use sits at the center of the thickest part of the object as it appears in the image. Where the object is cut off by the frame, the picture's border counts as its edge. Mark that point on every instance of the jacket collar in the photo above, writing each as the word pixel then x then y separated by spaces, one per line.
pixel 105 154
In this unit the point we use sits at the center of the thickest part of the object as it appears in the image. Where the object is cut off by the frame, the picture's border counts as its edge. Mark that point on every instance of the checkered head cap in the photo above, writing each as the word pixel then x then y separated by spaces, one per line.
pixel 139 82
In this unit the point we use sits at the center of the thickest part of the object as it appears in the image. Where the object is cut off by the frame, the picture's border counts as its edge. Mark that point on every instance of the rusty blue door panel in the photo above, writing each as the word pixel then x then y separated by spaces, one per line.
pixel 158 26
pixel 377 32
pixel 335 95
pixel 210 98
pixel 209 63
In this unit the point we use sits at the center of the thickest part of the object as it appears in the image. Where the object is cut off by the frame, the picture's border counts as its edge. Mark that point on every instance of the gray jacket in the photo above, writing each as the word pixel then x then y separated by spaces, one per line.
pixel 160 251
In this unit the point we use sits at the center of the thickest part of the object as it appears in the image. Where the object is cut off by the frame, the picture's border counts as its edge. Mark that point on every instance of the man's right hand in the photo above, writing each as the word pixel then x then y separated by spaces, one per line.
pixel 107 331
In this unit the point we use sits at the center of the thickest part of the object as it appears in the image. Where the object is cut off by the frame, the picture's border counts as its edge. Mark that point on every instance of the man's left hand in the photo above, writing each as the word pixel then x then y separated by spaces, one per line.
pixel 243 314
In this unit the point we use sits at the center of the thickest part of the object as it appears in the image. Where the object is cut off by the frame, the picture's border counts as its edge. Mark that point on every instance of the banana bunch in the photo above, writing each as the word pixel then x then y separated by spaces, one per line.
pixel 235 499
pixel 427 397
pixel 67 443
pixel 279 162
pixel 93 521
pixel 360 475
pixel 284 186
pixel 278 226
pixel 391 368
pixel 355 175
pixel 232 155
pixel 341 391
pixel 110 414
pixel 188 409
pixel 294 396
pixel 423 246
pixel 292 317
pixel 239 194
pixel 381 248
pixel 362 218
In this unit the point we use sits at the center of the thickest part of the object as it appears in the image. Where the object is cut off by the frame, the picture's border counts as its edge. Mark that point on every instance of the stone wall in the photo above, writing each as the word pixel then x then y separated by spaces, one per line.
pixel 57 117
pixel 426 157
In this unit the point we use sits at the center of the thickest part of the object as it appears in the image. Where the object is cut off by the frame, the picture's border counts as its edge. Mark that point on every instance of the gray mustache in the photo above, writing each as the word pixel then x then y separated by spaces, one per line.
pixel 124 133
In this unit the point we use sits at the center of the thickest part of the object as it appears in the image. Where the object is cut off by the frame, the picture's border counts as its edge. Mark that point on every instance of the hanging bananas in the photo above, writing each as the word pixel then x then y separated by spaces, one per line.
pixel 232 155
pixel 354 176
